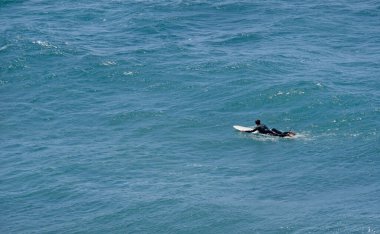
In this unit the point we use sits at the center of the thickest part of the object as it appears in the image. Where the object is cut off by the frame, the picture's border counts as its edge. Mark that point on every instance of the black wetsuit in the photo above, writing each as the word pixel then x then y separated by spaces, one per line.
pixel 263 129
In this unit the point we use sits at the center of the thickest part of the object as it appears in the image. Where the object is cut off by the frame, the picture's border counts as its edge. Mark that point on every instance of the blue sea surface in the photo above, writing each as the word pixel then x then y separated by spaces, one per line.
pixel 116 116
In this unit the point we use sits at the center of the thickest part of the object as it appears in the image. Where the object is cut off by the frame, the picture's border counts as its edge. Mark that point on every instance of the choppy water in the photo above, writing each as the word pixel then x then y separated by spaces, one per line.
pixel 116 116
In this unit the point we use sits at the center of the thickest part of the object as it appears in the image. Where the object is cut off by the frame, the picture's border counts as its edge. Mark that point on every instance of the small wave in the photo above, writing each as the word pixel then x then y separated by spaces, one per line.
pixel 128 73
pixel 242 37
pixel 44 44
pixel 301 136
pixel 3 82
pixel 263 137
pixel 319 84
pixel 4 47
pixel 287 93
pixel 109 63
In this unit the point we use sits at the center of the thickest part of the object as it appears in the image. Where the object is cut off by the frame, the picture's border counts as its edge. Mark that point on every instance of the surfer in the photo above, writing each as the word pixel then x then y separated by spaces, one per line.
pixel 263 129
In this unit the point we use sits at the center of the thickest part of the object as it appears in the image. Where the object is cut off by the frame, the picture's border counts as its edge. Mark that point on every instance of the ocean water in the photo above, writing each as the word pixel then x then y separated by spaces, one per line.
pixel 116 116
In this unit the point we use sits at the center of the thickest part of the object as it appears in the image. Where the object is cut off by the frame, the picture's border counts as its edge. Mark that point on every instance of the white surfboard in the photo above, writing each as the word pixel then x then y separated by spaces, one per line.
pixel 242 128
pixel 248 129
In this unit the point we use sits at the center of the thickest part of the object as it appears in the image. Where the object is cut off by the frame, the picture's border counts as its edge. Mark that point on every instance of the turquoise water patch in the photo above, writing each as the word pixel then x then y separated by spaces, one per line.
pixel 116 116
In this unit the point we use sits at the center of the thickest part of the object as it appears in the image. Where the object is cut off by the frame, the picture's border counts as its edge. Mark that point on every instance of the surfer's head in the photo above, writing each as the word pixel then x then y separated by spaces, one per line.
pixel 257 122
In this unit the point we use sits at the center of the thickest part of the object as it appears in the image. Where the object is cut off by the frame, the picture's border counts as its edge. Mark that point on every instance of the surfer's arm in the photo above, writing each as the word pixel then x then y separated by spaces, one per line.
pixel 254 130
